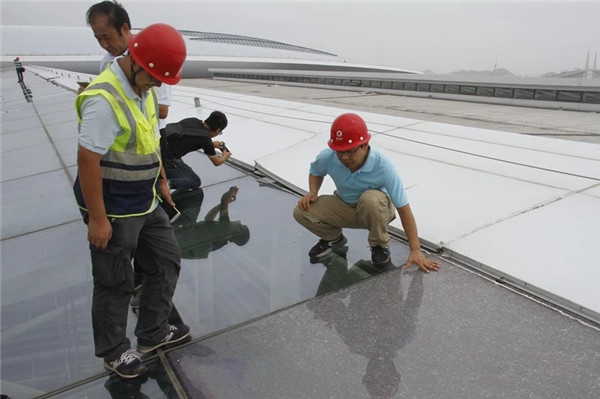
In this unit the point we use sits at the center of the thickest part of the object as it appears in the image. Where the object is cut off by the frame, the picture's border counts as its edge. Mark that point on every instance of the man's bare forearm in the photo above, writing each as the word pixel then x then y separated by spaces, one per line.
pixel 90 180
pixel 314 184
pixel 409 225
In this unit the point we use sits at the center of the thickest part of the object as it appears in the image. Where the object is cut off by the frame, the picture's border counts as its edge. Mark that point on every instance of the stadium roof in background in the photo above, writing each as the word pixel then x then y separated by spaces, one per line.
pixel 76 49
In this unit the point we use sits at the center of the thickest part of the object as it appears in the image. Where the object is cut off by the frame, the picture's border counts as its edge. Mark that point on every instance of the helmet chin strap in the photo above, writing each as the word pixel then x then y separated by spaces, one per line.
pixel 133 74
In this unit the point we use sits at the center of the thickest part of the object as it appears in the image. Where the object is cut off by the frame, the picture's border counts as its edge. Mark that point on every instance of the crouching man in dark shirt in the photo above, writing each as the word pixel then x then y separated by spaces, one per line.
pixel 189 135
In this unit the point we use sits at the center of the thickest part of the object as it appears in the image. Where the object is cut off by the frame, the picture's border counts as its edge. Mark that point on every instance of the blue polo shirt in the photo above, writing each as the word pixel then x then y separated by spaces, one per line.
pixel 377 173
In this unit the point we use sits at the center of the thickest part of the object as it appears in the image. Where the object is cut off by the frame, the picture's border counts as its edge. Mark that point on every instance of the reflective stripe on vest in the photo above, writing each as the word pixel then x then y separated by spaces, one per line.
pixel 131 166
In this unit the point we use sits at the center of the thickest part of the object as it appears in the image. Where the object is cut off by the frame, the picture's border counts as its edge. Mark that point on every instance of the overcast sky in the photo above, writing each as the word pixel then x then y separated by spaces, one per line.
pixel 527 38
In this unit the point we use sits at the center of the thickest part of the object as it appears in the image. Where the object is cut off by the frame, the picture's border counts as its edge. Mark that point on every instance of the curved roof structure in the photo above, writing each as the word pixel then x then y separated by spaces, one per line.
pixel 248 41
pixel 76 49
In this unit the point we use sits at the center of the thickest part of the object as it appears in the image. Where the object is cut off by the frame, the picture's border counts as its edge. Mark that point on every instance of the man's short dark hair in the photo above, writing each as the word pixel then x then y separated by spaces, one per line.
pixel 117 15
pixel 216 120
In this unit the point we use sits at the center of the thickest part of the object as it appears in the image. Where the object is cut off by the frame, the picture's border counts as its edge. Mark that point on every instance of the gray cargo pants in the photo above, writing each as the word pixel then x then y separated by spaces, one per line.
pixel 151 238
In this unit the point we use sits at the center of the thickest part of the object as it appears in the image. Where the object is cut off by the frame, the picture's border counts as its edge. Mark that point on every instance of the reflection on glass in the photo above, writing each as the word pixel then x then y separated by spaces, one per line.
pixel 390 324
pixel 121 388
pixel 198 239
pixel 338 275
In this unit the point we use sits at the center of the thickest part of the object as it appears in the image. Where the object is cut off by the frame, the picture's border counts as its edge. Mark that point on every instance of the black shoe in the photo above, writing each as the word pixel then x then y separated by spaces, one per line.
pixel 176 334
pixel 323 247
pixel 380 256
pixel 128 365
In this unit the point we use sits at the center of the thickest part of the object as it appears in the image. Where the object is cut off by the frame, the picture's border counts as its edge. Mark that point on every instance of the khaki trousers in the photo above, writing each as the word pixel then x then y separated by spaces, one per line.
pixel 329 214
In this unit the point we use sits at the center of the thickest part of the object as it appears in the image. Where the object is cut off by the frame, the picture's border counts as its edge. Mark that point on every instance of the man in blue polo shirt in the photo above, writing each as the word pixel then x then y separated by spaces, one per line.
pixel 368 194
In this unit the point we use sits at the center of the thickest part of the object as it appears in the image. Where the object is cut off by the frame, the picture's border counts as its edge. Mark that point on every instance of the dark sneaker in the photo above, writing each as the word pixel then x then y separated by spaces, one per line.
pixel 380 256
pixel 324 247
pixel 176 334
pixel 128 365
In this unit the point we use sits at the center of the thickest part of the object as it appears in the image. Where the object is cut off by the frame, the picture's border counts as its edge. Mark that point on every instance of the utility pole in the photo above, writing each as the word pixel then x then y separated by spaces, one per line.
pixel 587 73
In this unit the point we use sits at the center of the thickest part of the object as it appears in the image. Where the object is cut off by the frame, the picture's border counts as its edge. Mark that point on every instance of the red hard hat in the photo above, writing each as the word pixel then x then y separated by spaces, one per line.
pixel 160 50
pixel 348 131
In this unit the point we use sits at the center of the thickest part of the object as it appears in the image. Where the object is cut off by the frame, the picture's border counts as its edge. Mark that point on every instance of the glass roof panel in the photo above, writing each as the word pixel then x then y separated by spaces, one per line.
pixel 237 265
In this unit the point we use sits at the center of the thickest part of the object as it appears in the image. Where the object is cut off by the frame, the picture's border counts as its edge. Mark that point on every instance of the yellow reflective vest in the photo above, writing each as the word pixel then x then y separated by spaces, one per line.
pixel 131 167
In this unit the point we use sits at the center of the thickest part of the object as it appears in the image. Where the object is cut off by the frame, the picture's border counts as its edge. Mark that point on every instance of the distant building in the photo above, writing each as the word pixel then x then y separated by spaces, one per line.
pixel 576 73
pixel 588 72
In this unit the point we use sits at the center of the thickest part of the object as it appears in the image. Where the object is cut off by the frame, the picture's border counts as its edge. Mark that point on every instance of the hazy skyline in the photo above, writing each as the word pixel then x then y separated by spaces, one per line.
pixel 527 38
